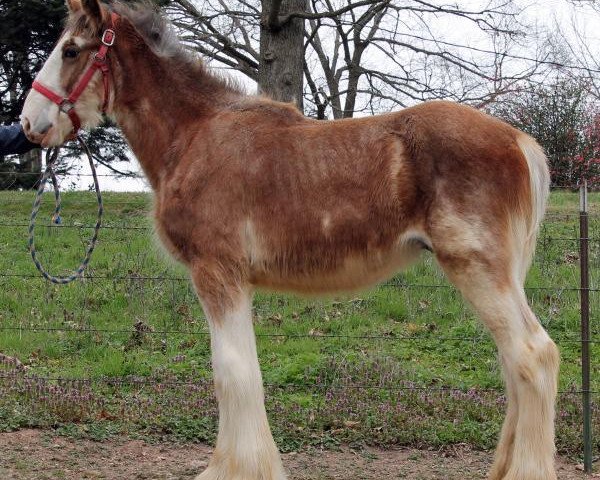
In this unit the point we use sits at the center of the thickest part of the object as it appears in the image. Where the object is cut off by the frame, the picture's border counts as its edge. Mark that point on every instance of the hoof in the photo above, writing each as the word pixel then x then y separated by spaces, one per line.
pixel 540 474
pixel 234 471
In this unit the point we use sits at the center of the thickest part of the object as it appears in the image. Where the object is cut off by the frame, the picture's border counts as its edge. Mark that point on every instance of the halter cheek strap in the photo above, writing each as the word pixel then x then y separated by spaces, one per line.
pixel 67 104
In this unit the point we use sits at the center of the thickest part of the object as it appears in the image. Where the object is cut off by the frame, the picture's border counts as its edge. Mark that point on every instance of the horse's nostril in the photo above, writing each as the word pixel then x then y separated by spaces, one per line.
pixel 32 131
pixel 43 128
pixel 38 127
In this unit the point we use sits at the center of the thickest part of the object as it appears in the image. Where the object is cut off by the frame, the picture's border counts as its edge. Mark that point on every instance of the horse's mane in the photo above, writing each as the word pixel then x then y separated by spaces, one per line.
pixel 157 31
pixel 161 37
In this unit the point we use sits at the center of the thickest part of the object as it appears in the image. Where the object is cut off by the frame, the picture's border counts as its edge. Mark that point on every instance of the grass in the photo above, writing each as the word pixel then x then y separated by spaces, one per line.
pixel 406 363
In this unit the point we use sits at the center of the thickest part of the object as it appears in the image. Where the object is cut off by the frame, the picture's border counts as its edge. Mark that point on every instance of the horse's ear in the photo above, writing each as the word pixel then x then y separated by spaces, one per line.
pixel 73 5
pixel 92 9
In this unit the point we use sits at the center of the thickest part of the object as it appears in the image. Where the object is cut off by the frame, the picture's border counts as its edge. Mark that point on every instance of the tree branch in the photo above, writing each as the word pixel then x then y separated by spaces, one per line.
pixel 331 14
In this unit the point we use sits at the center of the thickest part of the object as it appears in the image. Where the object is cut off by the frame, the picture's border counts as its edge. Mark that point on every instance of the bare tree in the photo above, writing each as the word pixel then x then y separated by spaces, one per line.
pixel 578 49
pixel 265 42
pixel 281 65
pixel 595 4
pixel 364 55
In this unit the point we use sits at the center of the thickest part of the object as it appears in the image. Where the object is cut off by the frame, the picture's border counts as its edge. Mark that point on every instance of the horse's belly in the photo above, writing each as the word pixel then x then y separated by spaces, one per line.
pixel 353 273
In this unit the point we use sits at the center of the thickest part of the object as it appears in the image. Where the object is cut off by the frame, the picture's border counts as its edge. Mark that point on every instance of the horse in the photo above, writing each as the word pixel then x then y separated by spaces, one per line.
pixel 250 194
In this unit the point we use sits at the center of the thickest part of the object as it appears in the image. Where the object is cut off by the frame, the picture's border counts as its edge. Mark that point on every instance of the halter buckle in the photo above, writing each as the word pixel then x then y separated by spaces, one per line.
pixel 108 37
pixel 65 106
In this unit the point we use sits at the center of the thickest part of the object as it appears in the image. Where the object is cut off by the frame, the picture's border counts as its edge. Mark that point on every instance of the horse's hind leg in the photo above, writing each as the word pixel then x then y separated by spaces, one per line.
pixel 488 271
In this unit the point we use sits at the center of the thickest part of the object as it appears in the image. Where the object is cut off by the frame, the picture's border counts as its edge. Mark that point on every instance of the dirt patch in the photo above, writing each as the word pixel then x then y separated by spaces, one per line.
pixel 39 455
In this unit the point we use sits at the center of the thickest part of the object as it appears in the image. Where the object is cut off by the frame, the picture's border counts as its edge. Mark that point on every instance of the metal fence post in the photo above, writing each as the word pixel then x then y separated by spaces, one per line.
pixel 585 327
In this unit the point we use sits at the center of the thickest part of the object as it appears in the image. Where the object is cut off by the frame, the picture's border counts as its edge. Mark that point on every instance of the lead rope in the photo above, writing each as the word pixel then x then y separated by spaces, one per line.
pixel 51 156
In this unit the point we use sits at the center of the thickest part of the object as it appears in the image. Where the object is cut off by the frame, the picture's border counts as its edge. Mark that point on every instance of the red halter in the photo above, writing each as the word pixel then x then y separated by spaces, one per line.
pixel 67 104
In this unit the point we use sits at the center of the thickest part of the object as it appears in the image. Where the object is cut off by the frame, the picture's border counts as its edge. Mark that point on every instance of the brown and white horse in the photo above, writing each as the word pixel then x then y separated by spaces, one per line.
pixel 251 194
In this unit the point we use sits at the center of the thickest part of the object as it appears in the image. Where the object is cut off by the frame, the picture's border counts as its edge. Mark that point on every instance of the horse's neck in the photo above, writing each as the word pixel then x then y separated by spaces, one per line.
pixel 156 111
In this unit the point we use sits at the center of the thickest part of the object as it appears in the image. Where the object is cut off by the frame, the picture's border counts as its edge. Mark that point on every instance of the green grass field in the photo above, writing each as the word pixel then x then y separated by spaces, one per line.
pixel 405 363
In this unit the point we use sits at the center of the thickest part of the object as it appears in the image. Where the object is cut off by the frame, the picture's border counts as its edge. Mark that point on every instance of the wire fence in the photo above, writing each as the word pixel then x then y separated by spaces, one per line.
pixel 127 347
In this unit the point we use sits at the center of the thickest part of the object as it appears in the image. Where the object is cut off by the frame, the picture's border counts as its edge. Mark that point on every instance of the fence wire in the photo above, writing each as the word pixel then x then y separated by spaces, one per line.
pixel 128 343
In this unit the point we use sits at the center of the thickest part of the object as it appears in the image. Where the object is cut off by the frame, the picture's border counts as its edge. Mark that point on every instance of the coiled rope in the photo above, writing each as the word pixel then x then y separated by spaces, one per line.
pixel 51 156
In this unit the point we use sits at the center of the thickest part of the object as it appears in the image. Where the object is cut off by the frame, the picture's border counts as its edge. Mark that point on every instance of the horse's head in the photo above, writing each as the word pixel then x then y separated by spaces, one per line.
pixel 70 88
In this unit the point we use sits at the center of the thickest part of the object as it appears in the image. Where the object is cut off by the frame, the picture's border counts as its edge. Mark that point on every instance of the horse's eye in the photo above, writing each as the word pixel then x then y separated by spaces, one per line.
pixel 70 53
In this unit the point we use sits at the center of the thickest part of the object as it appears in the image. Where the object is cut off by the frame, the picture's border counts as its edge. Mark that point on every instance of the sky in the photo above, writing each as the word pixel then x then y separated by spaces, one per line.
pixel 544 15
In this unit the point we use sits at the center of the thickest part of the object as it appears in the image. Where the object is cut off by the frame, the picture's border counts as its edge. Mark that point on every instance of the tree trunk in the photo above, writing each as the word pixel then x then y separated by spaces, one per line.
pixel 280 73
pixel 353 78
pixel 30 162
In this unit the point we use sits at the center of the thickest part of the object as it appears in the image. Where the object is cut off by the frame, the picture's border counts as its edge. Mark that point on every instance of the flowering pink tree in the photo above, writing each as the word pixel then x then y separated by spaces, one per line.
pixel 586 165
pixel 566 121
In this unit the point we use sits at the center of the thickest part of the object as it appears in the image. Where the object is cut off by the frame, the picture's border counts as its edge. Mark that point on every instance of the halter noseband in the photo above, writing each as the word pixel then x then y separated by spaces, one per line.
pixel 67 104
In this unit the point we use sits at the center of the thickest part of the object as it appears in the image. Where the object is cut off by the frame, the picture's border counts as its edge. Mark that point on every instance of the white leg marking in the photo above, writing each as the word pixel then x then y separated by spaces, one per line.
pixel 530 365
pixel 245 448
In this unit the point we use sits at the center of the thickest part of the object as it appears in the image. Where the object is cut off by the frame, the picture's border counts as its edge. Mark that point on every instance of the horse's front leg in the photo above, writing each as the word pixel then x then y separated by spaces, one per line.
pixel 245 448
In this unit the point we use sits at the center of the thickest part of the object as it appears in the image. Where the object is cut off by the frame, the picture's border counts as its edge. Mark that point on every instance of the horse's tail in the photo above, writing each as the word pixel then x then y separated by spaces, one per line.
pixel 539 188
